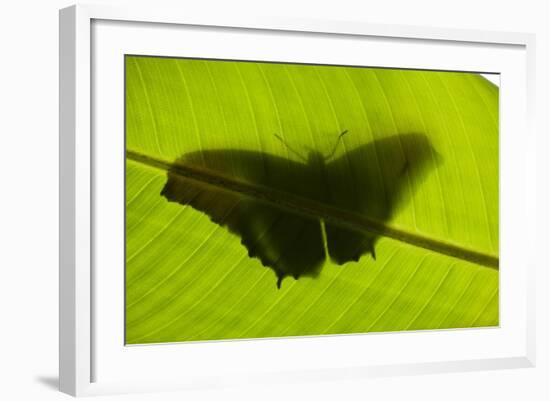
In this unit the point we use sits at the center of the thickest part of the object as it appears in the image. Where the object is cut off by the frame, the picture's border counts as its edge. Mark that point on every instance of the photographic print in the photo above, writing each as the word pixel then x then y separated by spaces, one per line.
pixel 270 199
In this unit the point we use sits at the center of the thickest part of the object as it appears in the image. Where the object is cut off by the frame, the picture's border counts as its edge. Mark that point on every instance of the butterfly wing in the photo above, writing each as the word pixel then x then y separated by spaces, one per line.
pixel 260 169
pixel 289 243
pixel 374 180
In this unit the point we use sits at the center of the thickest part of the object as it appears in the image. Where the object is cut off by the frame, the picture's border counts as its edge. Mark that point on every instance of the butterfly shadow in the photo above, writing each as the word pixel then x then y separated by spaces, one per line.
pixel 372 180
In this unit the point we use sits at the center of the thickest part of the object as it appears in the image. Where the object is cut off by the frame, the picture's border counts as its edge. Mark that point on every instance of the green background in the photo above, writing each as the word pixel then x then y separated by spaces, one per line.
pixel 190 279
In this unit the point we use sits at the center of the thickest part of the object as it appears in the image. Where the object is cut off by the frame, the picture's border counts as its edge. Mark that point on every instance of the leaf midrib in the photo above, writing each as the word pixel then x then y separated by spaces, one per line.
pixel 297 204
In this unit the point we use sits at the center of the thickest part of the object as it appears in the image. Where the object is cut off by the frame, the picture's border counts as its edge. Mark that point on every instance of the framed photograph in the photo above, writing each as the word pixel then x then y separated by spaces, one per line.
pixel 273 200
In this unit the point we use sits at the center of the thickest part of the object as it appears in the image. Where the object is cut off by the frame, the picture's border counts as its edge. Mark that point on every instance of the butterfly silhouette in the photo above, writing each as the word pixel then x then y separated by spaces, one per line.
pixel 371 180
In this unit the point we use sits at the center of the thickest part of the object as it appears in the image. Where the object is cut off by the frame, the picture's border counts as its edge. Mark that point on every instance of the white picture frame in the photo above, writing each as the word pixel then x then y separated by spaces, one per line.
pixel 91 355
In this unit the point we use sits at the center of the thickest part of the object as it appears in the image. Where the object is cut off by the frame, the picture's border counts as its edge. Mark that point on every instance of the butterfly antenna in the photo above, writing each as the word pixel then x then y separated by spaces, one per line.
pixel 289 148
pixel 336 145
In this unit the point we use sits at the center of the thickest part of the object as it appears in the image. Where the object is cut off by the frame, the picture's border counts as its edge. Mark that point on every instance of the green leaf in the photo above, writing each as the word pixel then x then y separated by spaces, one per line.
pixel 219 152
